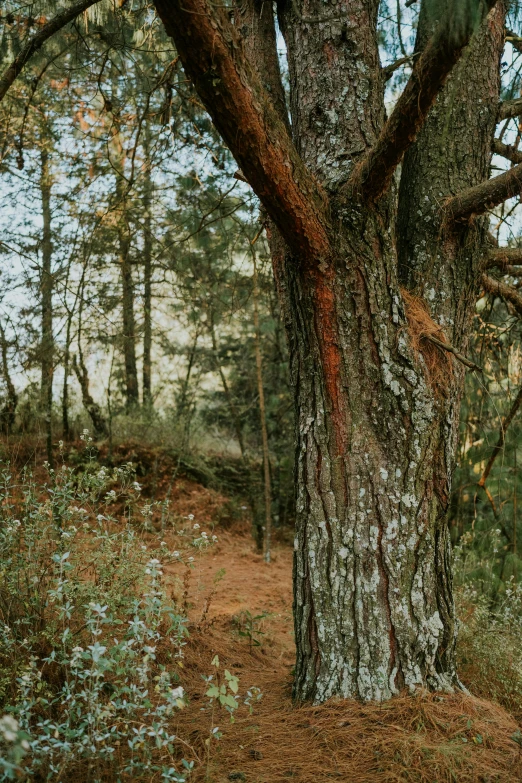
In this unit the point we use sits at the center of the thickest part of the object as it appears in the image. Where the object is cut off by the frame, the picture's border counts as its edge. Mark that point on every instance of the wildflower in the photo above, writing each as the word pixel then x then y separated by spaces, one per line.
pixel 191 559
pixel 8 728
pixel 191 517
pixel 136 486
pixel 175 554
pixel 214 538
pixel 177 693
pixel 196 526
pixel 204 535
pixel 100 517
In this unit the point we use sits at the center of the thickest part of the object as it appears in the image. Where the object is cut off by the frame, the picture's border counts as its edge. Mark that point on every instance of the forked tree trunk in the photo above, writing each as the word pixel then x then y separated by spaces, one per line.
pixel 376 435
pixel 376 403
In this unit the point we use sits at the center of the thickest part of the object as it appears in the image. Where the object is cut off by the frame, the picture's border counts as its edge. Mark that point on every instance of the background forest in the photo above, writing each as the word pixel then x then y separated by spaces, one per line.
pixel 140 333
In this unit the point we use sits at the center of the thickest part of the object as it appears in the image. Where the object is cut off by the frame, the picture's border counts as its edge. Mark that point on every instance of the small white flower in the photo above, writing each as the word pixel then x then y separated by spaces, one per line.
pixel 196 526
pixel 190 559
pixel 190 516
pixel 177 693
pixel 175 554
pixel 136 486
pixel 163 543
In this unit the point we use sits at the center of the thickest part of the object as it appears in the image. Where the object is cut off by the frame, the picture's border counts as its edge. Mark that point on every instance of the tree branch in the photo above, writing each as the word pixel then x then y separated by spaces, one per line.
pixel 506 151
pixel 373 174
pixel 213 56
pixel 506 292
pixel 514 39
pixel 480 198
pixel 36 42
pixel 504 258
pixel 389 70
pixel 459 356
pixel 509 109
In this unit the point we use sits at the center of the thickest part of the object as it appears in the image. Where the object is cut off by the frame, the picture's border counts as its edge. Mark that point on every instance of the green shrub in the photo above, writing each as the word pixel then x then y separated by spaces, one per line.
pixel 89 642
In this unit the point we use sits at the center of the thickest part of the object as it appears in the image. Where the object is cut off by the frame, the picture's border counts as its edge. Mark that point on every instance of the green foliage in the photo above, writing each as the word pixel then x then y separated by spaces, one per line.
pixel 249 626
pixel 488 651
pixel 89 641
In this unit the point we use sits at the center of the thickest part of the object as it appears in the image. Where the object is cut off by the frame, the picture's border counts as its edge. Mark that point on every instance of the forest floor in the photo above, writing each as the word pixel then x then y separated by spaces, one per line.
pixel 426 738
pixel 240 609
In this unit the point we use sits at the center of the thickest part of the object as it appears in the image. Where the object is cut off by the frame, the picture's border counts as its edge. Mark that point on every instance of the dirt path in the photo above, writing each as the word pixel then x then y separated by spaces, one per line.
pixel 420 739
pixel 231 578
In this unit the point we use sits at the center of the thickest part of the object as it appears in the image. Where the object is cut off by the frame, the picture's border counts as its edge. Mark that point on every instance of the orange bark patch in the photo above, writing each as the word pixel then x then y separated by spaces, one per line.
pixel 331 358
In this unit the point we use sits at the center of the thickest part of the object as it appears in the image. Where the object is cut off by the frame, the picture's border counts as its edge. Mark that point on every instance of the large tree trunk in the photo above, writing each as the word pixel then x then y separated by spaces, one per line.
pixel 376 431
pixel 376 401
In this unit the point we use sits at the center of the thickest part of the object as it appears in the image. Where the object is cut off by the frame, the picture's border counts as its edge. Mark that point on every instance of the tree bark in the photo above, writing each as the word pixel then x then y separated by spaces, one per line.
pixel 376 406
pixel 46 294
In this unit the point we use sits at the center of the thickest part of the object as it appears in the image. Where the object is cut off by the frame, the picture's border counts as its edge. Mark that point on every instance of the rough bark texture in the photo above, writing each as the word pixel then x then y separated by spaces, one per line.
pixel 375 432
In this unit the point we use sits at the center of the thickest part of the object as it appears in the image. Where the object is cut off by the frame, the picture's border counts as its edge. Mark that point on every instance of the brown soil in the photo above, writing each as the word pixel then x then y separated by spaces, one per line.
pixel 426 738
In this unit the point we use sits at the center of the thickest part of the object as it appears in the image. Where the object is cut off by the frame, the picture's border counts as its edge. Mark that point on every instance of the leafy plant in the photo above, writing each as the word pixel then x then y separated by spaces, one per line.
pixel 248 625
pixel 89 642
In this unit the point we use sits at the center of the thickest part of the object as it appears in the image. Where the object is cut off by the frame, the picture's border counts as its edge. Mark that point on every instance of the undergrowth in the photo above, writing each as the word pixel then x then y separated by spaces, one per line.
pixel 490 629
pixel 91 646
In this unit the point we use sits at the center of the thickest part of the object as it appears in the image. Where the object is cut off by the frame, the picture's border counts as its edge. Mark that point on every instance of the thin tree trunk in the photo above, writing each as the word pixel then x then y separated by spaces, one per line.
pixel 127 303
pixel 147 275
pixel 46 293
pixel 125 263
pixel 8 412
pixel 258 528
pixel 66 371
pixel 264 433
pixel 99 422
